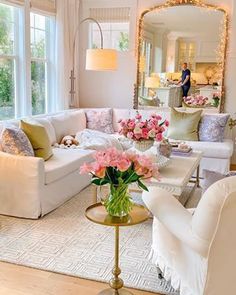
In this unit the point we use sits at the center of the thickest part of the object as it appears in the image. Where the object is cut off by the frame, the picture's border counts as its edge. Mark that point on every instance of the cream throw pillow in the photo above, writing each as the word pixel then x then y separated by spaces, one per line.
pixel 39 139
pixel 183 125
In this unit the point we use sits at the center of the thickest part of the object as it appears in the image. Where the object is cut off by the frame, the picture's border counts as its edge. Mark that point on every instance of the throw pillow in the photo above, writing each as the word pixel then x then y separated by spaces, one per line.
pixel 212 127
pixel 211 177
pixel 184 125
pixel 68 123
pixel 49 128
pixel 39 139
pixel 14 141
pixel 100 120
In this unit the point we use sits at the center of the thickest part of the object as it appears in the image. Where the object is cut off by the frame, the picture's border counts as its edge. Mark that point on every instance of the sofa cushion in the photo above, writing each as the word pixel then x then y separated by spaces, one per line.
pixel 220 150
pixel 68 123
pixel 184 125
pixel 39 139
pixel 14 141
pixel 100 120
pixel 119 114
pixel 64 162
pixel 212 127
pixel 49 128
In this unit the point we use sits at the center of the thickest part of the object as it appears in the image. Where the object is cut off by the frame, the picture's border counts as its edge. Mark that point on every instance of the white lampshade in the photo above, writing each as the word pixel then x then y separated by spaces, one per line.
pixel 152 82
pixel 101 59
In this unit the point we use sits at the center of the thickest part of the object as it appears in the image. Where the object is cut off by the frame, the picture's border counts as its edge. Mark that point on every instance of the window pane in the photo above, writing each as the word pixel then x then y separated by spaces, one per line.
pixel 115 35
pixel 6 29
pixel 7 91
pixel 38 87
pixel 38 35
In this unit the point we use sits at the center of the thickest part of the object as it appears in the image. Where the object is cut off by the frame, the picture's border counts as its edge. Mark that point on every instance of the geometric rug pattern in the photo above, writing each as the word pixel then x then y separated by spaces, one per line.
pixel 64 241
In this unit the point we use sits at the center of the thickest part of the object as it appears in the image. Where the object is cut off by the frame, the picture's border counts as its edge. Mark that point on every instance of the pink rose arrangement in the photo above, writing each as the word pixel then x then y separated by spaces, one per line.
pixel 196 100
pixel 138 129
pixel 119 169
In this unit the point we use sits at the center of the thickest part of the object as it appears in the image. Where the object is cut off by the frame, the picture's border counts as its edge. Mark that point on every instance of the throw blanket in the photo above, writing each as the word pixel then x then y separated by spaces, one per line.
pixel 96 140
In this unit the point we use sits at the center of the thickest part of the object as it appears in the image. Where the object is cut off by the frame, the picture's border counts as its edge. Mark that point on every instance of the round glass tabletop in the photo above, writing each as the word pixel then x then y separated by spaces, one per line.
pixel 98 214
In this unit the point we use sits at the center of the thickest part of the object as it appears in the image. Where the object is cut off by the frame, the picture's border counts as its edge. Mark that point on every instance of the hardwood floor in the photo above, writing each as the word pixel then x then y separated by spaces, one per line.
pixel 20 280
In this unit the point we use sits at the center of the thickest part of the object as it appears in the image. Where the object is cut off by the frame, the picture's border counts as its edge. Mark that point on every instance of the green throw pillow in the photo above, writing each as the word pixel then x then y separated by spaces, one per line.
pixel 39 139
pixel 183 125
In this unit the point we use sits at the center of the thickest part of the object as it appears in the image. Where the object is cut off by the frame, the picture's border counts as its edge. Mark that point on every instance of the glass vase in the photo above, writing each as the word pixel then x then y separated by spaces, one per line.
pixel 119 202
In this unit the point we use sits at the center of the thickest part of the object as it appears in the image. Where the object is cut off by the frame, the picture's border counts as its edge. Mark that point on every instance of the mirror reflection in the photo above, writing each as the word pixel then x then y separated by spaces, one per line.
pixel 179 57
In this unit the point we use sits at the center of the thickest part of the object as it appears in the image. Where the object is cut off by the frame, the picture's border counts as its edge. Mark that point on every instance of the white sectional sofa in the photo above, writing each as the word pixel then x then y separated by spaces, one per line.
pixel 30 187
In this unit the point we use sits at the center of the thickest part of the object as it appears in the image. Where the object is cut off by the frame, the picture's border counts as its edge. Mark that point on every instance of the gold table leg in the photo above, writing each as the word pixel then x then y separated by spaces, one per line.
pixel 116 283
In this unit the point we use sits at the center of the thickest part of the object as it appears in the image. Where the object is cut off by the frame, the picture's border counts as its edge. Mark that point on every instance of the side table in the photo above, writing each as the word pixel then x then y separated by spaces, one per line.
pixel 98 214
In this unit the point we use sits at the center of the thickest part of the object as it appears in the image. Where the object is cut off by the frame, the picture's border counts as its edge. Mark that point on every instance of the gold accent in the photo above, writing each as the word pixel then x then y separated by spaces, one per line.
pixel 222 50
pixel 97 213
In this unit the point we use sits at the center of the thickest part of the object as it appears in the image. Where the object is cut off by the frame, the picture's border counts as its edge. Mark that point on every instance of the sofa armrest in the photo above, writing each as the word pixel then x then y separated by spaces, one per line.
pixel 20 167
pixel 20 181
pixel 177 220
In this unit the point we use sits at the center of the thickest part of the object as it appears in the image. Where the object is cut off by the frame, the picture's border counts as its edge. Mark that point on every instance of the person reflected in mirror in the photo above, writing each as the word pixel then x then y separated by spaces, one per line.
pixel 185 80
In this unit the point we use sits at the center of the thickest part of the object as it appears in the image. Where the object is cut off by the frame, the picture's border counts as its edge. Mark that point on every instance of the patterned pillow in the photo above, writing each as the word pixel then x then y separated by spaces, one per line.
pixel 212 127
pixel 100 119
pixel 14 141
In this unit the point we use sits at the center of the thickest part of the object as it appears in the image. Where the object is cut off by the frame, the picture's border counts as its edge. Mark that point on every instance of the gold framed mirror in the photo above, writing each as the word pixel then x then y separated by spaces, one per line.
pixel 181 56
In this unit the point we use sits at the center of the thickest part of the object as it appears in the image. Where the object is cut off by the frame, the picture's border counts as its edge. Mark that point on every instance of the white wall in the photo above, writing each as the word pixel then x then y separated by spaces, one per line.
pixel 116 89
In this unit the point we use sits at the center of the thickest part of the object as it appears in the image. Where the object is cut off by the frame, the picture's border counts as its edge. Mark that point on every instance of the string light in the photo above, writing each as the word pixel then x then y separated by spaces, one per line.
pixel 221 51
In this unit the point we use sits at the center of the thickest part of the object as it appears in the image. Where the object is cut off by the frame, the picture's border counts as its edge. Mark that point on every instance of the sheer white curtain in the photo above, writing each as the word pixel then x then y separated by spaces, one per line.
pixel 67 20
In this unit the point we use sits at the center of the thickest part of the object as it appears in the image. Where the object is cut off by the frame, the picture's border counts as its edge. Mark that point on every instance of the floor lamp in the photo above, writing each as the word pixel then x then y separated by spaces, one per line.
pixel 97 59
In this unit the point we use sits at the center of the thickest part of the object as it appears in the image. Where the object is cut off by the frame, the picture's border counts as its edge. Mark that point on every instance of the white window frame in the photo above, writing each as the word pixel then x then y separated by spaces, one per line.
pixel 22 61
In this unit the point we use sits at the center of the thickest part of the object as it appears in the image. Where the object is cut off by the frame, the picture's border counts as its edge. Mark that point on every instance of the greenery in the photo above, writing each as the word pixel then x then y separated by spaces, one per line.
pixel 123 41
pixel 7 95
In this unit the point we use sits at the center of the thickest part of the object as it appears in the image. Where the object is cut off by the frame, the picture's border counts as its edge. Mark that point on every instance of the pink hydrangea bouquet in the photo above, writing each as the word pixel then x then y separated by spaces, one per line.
pixel 196 100
pixel 138 129
pixel 119 169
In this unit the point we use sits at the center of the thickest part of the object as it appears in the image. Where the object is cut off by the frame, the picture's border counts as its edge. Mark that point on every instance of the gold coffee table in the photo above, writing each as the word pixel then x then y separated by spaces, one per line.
pixel 98 214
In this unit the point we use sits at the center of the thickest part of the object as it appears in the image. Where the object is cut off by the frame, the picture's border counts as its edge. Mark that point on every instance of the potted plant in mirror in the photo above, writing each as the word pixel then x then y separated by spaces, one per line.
pixel 143 132
pixel 216 99
pixel 118 170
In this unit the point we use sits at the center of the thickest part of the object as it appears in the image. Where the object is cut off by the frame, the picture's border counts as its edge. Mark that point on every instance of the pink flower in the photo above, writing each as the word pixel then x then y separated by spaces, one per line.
pixel 130 135
pixel 167 123
pixel 85 168
pixel 131 125
pixel 100 172
pixel 138 116
pixel 159 137
pixel 123 164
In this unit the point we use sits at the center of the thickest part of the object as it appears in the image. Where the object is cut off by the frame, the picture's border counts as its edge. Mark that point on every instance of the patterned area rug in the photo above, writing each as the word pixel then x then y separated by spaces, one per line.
pixel 65 242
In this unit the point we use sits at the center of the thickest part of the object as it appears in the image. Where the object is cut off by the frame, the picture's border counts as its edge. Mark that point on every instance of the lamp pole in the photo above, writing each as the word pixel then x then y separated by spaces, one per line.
pixel 72 73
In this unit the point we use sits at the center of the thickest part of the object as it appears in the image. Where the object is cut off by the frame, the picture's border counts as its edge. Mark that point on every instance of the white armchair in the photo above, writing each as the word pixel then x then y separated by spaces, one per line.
pixel 196 253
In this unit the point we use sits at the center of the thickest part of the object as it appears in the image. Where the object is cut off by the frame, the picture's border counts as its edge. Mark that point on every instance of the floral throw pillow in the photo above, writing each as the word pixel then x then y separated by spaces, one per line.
pixel 14 141
pixel 100 119
pixel 212 127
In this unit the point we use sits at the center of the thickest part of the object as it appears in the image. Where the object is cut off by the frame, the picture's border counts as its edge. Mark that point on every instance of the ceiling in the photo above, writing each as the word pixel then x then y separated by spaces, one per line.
pixel 190 19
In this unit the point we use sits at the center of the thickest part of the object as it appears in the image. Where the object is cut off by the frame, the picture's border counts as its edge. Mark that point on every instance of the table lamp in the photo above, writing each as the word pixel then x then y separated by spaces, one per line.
pixel 151 83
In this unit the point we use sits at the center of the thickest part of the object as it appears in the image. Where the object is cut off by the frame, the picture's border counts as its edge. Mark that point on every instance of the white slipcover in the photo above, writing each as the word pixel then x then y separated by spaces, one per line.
pixel 196 252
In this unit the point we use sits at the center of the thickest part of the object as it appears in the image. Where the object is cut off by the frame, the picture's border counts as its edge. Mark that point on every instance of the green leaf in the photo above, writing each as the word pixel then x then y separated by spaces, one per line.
pixel 142 186
pixel 99 181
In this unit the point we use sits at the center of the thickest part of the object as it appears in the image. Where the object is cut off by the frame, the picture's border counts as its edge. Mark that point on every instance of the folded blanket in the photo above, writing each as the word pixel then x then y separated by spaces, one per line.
pixel 96 140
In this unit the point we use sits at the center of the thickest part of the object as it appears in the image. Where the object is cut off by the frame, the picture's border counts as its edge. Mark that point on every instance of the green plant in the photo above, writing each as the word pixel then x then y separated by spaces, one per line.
pixel 123 42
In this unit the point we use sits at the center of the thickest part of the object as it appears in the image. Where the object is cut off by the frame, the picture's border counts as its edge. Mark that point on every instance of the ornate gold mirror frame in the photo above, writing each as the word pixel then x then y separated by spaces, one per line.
pixel 222 50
